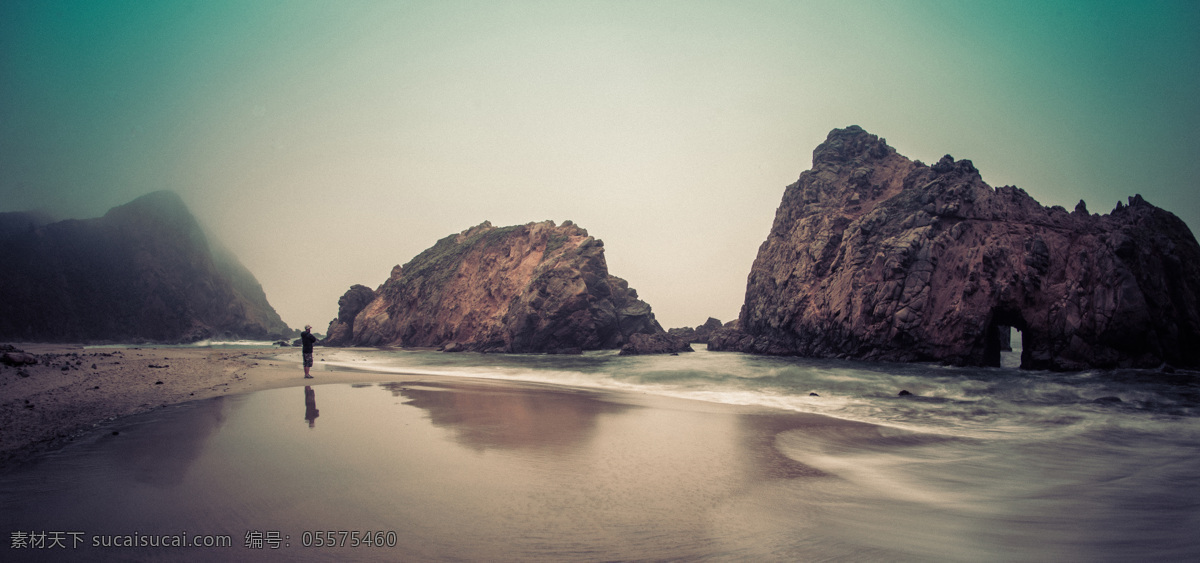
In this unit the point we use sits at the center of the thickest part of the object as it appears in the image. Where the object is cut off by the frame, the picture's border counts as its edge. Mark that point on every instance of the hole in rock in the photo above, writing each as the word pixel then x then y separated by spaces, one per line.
pixel 1005 340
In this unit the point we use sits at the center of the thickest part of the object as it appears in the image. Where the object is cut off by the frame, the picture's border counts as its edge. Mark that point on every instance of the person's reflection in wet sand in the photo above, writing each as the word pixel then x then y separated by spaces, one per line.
pixel 310 406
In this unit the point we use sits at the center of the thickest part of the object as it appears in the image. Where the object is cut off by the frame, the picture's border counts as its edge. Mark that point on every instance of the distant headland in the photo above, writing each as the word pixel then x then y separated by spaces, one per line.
pixel 144 272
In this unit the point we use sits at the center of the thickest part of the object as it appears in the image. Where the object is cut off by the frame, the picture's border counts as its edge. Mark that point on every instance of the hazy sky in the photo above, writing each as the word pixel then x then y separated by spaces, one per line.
pixel 325 142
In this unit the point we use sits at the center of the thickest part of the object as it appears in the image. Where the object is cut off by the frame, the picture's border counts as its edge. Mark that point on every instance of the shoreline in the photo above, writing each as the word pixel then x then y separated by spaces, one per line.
pixel 419 455
pixel 73 389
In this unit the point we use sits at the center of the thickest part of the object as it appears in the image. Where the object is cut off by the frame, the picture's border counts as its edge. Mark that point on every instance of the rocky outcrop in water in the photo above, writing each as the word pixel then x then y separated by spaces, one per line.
pixel 699 334
pixel 145 271
pixel 875 256
pixel 640 344
pixel 538 287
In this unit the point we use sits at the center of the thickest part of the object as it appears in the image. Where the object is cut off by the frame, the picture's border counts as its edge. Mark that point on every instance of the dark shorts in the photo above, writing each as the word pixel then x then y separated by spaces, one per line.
pixel 308 360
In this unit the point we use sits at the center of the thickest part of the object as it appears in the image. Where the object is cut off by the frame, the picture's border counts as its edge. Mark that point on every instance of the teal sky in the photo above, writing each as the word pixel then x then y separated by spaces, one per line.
pixel 325 142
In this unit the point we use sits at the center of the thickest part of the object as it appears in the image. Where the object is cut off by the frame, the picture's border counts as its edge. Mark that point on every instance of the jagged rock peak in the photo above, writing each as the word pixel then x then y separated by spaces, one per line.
pixel 537 287
pixel 875 256
pixel 480 228
pixel 851 144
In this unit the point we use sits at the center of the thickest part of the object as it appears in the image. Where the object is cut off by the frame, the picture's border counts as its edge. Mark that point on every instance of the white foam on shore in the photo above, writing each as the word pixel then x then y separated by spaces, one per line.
pixel 232 343
pixel 714 391
pixel 196 344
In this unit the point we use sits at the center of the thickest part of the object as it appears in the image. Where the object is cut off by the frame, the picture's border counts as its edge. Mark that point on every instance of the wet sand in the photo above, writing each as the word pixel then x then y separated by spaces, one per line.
pixel 453 468
pixel 72 389
pixel 235 442
pixel 45 406
pixel 534 471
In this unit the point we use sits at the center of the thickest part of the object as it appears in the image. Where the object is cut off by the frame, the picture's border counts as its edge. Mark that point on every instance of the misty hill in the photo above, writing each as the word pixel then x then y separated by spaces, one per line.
pixel 526 288
pixel 876 256
pixel 145 271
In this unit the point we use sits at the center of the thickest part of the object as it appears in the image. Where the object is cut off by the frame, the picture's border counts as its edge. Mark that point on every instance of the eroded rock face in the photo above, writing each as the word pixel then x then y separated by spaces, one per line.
pixel 875 256
pixel 527 288
pixel 350 305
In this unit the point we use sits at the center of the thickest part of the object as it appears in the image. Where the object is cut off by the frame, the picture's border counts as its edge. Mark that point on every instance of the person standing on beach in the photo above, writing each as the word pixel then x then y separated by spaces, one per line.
pixel 306 342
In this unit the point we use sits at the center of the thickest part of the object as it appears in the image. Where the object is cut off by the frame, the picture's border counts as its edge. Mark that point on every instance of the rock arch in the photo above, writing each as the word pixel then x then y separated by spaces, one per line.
pixel 996 335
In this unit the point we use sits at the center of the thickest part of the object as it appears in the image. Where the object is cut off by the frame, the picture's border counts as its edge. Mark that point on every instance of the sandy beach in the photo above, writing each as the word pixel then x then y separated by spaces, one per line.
pixel 583 458
pixel 533 471
pixel 542 472
pixel 72 388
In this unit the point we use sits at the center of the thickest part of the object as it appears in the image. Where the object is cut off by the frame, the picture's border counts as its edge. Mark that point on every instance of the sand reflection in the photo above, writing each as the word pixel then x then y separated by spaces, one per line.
pixel 160 454
pixel 493 417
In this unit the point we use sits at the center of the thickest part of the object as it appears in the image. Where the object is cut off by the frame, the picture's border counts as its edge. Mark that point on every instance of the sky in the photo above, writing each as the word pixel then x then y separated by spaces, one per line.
pixel 325 142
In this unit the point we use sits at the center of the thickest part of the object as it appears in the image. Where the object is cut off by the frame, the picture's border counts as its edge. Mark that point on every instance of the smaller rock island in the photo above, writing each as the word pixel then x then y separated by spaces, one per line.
pixel 533 288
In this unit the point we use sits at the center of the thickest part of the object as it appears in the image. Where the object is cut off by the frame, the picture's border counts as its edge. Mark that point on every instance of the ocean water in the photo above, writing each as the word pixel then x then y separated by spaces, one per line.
pixel 592 458
pixel 209 343
pixel 975 464
pixel 991 403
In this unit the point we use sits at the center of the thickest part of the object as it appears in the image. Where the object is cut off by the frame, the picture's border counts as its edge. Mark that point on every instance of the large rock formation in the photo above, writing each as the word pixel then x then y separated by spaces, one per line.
pixel 145 271
pixel 526 288
pixel 875 256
